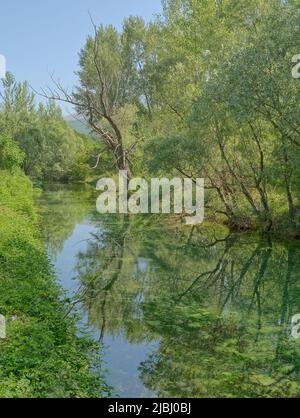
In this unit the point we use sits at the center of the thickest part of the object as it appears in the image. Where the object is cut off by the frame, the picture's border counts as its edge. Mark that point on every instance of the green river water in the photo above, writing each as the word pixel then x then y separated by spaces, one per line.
pixel 177 312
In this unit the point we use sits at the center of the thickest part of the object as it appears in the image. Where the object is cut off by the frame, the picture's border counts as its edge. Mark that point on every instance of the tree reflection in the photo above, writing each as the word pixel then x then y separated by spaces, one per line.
pixel 219 304
pixel 61 208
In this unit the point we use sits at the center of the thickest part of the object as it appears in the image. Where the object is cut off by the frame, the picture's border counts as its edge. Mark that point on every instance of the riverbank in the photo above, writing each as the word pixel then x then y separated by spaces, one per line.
pixel 41 355
pixel 278 226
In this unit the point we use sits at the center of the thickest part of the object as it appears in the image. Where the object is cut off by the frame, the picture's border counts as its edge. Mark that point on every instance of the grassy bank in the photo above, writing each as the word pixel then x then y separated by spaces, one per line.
pixel 41 356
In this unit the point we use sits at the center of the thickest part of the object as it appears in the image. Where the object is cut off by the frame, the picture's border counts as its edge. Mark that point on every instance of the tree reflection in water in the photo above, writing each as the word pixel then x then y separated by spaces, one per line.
pixel 220 305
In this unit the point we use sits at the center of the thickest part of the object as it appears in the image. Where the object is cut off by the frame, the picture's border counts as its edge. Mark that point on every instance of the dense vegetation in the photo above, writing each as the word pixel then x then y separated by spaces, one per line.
pixel 204 90
pixel 53 150
pixel 41 356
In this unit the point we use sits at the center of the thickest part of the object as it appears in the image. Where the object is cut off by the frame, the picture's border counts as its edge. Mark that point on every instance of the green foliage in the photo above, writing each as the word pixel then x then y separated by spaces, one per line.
pixel 41 356
pixel 10 154
pixel 50 146
pixel 203 90
pixel 224 106
pixel 16 192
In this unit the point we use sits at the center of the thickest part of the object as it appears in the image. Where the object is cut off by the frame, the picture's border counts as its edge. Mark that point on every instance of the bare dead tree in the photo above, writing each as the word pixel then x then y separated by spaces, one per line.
pixel 98 105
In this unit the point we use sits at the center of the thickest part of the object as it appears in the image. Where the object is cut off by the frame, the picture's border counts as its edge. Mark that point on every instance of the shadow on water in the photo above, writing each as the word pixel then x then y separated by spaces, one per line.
pixel 181 312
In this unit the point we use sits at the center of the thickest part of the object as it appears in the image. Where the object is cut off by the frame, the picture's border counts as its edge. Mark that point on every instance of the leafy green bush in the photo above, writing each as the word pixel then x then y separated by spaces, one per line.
pixel 10 154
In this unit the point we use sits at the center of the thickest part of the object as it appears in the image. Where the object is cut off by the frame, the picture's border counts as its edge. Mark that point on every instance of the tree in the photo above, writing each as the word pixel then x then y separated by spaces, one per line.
pixel 10 154
pixel 50 146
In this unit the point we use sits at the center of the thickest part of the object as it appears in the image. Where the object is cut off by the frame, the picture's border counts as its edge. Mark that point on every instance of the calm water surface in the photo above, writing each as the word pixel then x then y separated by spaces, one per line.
pixel 178 312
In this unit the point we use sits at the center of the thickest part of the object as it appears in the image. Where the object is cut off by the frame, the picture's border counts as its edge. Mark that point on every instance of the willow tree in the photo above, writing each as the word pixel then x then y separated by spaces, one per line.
pixel 227 106
pixel 259 100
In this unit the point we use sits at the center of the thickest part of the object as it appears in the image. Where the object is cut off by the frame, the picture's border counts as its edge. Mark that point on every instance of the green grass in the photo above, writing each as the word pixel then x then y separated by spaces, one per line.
pixel 41 356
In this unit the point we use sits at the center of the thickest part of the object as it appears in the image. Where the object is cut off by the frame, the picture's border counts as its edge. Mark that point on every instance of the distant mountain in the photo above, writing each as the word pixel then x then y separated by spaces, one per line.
pixel 79 125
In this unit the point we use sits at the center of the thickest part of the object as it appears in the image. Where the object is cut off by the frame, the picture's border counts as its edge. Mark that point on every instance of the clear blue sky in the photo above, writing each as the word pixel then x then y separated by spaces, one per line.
pixel 39 37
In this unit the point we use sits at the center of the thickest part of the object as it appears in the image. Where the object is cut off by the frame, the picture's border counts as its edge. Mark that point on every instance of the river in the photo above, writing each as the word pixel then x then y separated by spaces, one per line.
pixel 177 312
